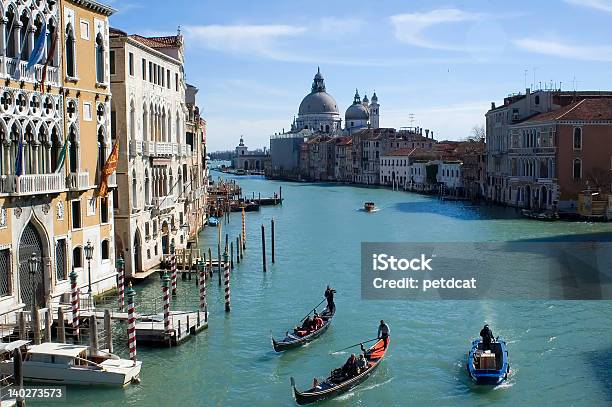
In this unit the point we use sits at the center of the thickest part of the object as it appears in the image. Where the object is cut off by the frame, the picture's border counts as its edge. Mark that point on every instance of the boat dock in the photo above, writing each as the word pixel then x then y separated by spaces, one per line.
pixel 183 325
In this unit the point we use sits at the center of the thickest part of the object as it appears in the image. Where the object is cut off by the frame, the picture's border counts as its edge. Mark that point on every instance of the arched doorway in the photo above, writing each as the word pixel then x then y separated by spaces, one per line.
pixel 543 197
pixel 246 164
pixel 527 198
pixel 31 288
pixel 137 252
pixel 165 239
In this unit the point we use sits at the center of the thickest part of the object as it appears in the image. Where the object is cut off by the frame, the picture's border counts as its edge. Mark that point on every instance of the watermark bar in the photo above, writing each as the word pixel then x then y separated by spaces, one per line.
pixel 56 393
pixel 487 271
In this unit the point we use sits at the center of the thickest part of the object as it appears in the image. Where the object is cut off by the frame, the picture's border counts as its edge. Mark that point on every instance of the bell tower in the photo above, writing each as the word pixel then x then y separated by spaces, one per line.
pixel 374 112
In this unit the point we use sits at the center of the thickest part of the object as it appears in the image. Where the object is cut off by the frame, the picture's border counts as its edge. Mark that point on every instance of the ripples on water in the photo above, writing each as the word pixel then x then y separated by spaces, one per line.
pixel 319 232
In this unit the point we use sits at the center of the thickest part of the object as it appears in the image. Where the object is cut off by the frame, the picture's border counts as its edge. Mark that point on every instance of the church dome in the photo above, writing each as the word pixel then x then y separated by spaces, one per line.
pixel 318 100
pixel 357 111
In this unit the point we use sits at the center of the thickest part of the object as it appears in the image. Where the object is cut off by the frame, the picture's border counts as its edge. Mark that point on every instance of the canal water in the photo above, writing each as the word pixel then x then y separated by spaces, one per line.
pixel 560 351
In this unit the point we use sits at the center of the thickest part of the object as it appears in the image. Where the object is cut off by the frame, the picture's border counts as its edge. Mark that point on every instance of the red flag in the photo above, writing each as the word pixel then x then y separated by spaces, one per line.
pixel 109 167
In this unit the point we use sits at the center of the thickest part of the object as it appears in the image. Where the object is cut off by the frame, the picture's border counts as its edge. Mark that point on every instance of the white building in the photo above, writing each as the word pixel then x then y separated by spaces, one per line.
pixel 449 174
pixel 149 119
pixel 395 168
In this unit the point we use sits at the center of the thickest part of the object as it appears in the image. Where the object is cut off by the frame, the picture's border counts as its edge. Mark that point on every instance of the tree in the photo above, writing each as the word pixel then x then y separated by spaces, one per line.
pixel 478 132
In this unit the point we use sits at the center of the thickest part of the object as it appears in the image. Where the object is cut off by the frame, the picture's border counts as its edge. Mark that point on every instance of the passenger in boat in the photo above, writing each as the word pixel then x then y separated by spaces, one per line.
pixel 329 296
pixel 362 363
pixel 318 322
pixel 383 333
pixel 350 367
pixel 307 323
pixel 487 337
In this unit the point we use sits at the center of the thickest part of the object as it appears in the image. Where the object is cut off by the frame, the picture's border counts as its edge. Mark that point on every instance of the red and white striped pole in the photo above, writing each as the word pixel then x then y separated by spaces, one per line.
pixel 166 298
pixel 131 323
pixel 243 228
pixel 173 267
pixel 74 300
pixel 121 282
pixel 226 280
pixel 203 306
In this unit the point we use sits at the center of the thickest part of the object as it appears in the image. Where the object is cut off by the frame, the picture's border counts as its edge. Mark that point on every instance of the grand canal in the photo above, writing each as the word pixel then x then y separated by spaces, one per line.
pixel 560 351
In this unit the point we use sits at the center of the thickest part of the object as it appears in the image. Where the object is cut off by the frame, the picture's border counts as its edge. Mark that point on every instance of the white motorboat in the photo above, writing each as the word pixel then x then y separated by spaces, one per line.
pixel 64 363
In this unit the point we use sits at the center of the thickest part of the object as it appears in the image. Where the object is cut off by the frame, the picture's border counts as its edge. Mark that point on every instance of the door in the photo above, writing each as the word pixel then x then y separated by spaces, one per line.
pixel 32 287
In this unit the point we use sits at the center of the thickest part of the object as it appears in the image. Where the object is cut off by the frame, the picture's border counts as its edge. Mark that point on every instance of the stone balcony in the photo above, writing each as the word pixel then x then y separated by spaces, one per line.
pixel 78 181
pixel 136 147
pixel 163 203
pixel 33 184
pixel 16 69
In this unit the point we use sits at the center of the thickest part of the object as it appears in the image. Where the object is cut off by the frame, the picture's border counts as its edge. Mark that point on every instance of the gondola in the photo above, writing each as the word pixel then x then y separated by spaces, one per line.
pixel 488 367
pixel 332 387
pixel 293 340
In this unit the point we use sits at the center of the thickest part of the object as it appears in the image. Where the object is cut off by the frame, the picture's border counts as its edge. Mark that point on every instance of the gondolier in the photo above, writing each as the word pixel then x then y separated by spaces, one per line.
pixel 383 333
pixel 329 296
pixel 487 337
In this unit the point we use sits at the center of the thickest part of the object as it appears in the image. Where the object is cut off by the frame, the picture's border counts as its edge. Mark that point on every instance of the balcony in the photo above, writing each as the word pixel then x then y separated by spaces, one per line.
pixel 160 148
pixel 78 181
pixel 136 147
pixel 16 69
pixel 163 203
pixel 183 149
pixel 33 184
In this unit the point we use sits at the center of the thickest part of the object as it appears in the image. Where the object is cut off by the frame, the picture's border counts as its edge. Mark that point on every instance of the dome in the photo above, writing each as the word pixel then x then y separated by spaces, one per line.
pixel 318 102
pixel 356 111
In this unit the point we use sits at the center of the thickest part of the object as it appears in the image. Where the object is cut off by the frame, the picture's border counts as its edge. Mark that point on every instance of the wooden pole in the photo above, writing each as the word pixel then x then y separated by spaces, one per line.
pixel 190 261
pixel 226 275
pixel 219 261
pixel 48 322
pixel 108 329
pixel 263 247
pixel 238 250
pixel 132 322
pixel 232 254
pixel 272 233
pixel 280 194
pixel 36 325
pixel 18 376
pixel 61 326
pixel 93 332
pixel 243 229
pixel 23 334
pixel 121 283
pixel 210 267
pixel 74 299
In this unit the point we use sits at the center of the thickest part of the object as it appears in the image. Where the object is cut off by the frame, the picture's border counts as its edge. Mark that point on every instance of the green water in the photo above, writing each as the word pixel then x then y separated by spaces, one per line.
pixel 560 352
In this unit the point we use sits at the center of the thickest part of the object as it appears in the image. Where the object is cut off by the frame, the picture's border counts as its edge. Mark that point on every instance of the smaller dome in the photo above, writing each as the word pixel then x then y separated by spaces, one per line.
pixel 357 111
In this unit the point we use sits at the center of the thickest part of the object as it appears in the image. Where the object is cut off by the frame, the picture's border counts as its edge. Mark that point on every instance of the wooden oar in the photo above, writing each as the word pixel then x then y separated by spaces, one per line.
pixel 352 346
pixel 313 309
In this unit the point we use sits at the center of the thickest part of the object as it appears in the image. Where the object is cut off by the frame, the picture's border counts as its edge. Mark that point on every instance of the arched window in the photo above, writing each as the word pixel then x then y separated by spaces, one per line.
pixel 577 138
pixel 100 74
pixel 133 121
pixel 101 148
pixel 577 168
pixel 134 191
pixel 147 188
pixel 145 122
pixel 105 250
pixel 25 27
pixel 77 257
pixel 70 52
pixel 73 149
pixel 9 33
pixel 50 38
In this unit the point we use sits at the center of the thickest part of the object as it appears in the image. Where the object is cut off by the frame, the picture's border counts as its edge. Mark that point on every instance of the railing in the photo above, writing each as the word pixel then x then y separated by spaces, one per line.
pixel 78 181
pixel 160 148
pixel 164 202
pixel 33 184
pixel 136 147
pixel 183 149
pixel 16 69
pixel 149 147
pixel 112 180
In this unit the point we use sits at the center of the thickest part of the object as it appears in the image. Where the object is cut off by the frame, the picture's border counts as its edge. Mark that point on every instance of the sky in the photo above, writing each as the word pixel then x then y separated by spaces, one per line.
pixel 433 64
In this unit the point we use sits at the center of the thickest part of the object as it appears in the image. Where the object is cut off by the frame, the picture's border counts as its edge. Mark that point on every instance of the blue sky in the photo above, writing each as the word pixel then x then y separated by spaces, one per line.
pixel 442 61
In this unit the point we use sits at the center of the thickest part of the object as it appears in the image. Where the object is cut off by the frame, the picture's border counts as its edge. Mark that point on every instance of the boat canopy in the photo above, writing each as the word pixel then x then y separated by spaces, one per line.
pixel 58 349
pixel 11 346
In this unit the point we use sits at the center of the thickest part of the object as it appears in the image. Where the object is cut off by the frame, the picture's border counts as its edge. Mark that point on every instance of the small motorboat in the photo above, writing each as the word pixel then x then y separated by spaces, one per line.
pixel 337 384
pixel 488 366
pixel 251 206
pixel 213 221
pixel 299 337
pixel 369 207
pixel 547 216
pixel 63 363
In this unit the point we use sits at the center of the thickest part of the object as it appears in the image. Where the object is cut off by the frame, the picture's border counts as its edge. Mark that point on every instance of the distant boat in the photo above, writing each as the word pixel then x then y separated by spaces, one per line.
pixel 488 367
pixel 212 221
pixel 240 172
pixel 540 215
pixel 295 339
pixel 369 207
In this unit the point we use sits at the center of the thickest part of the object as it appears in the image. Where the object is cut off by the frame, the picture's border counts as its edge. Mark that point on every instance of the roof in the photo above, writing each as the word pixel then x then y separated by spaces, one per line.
pixel 171 41
pixel 411 152
pixel 96 6
pixel 583 110
pixel 58 349
pixel 11 346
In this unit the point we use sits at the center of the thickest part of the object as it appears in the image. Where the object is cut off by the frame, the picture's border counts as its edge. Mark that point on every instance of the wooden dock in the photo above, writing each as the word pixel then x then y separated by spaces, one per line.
pixel 183 325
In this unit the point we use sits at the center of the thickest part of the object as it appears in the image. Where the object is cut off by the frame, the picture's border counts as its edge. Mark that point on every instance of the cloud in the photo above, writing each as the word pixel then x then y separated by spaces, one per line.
pixel 569 51
pixel 410 27
pixel 601 5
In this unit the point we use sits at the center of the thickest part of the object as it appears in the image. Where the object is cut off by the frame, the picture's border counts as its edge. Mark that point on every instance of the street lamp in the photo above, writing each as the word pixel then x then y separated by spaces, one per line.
pixel 89 255
pixel 33 268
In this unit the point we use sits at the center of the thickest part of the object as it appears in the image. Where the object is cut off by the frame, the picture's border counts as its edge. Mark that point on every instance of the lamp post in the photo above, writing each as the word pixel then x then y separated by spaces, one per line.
pixel 89 255
pixel 33 268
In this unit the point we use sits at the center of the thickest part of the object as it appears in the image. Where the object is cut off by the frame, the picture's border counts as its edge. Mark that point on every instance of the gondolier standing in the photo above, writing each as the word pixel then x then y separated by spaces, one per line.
pixel 383 333
pixel 329 296
pixel 487 337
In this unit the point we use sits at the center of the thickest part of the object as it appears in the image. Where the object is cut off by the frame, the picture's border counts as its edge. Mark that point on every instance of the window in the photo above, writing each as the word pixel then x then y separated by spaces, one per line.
pixel 70 53
pixel 112 62
pixel 144 69
pixel 77 257
pixel 577 170
pixel 85 30
pixel 537 100
pixel 105 250
pixel 100 74
pixel 104 210
pixel 5 268
pixel 163 77
pixel 60 260
pixel 577 138
pixel 87 113
pixel 168 78
pixel 131 63
pixel 91 206
pixel 150 71
pixel 176 81
pixel 76 214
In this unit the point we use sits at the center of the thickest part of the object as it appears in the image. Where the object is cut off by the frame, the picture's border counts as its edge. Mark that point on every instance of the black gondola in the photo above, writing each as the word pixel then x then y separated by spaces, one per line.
pixel 293 340
pixel 332 387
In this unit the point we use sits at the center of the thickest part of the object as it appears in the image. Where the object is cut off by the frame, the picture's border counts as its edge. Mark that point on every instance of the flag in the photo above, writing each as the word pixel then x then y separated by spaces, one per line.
pixel 40 48
pixel 49 59
pixel 19 158
pixel 62 157
pixel 109 167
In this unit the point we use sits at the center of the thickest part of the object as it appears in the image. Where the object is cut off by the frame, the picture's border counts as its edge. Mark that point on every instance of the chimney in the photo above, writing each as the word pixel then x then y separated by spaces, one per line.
pixel 527 91
pixel 432 135
pixel 492 105
pixel 426 133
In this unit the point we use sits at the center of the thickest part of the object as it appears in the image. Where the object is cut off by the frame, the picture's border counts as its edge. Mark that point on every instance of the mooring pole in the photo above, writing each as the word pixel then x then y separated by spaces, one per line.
pixel 263 247
pixel 272 233
pixel 108 329
pixel 131 323
pixel 237 250
pixel 226 275
pixel 166 298
pixel 61 326
pixel 18 376
pixel 93 332
pixel 74 291
pixel 232 254
pixel 243 229
pixel 173 266
pixel 121 283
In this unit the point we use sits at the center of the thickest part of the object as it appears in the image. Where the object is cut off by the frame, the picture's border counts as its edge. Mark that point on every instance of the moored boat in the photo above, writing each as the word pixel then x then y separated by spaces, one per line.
pixel 213 221
pixel 62 363
pixel 333 385
pixel 369 207
pixel 299 338
pixel 490 366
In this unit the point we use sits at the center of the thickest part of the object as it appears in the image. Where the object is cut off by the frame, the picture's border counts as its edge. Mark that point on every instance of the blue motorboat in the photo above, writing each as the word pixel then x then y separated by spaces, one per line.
pixel 212 221
pixel 488 366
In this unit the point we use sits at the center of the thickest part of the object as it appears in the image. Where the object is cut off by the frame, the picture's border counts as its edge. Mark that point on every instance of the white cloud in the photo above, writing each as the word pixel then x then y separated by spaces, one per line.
pixel 563 50
pixel 410 27
pixel 601 5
